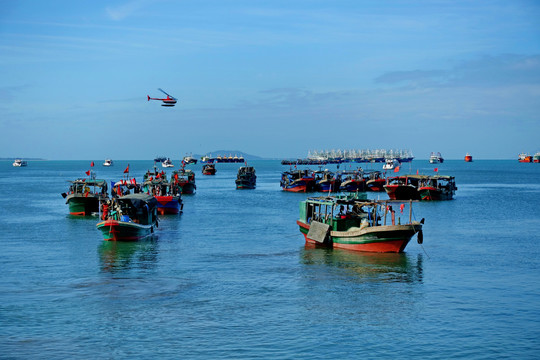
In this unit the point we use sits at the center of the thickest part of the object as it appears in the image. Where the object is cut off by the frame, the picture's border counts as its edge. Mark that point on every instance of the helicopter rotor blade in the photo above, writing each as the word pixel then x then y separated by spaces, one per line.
pixel 172 97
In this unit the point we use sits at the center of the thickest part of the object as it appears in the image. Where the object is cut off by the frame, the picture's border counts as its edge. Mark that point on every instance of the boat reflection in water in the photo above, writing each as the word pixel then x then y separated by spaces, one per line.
pixel 116 256
pixel 386 267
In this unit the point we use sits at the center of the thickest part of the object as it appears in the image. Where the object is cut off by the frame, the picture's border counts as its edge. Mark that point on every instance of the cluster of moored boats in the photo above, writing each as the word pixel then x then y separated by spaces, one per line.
pixel 130 212
pixel 345 220
pixel 406 187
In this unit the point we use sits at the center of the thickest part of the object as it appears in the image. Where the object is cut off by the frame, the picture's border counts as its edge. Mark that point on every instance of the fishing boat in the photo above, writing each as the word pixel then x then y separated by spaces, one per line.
pixel 536 157
pixel 108 162
pixel 375 181
pixel 298 181
pixel 159 158
pixel 209 169
pixel 326 181
pixel 352 181
pixel 185 179
pixel 436 158
pixel 129 218
pixel 207 159
pixel 468 158
pixel 525 158
pixel 353 223
pixel 437 187
pixel 390 164
pixel 246 178
pixel 167 163
pixel 189 159
pixel 404 187
pixel 19 163
pixel 168 196
pixel 84 196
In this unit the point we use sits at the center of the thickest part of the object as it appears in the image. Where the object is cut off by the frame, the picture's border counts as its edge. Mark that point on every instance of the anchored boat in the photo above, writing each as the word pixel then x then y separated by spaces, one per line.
pixel 185 179
pixel 327 181
pixel 19 163
pixel 246 178
pixel 353 223
pixel 84 195
pixel 525 158
pixel 352 181
pixel 129 218
pixel 298 181
pixel 168 196
pixel 403 187
pixel 436 158
pixel 374 180
pixel 437 187
pixel 209 169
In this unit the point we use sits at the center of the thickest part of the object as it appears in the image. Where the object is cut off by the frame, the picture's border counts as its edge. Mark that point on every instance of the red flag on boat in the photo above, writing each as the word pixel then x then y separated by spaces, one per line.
pixel 87 172
pixel 176 177
pixel 127 170
pixel 401 207
pixel 436 169
pixel 396 169
pixel 133 181
pixel 92 164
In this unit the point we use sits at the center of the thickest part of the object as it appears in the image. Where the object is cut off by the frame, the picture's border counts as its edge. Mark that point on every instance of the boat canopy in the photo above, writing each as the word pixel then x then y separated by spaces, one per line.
pixel 89 182
pixel 139 200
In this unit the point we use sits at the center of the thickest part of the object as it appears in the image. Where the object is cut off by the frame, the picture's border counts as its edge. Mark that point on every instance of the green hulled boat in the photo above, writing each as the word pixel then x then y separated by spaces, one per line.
pixel 349 222
pixel 84 196
pixel 129 218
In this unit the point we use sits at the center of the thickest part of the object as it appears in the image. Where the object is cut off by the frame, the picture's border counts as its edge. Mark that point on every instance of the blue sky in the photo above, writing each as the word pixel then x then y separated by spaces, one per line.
pixel 270 78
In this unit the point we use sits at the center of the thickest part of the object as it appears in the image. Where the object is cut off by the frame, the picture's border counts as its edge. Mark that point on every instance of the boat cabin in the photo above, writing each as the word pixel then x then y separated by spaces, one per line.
pixel 137 208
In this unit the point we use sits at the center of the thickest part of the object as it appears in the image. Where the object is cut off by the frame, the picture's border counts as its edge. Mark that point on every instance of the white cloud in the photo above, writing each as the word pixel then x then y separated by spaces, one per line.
pixel 121 12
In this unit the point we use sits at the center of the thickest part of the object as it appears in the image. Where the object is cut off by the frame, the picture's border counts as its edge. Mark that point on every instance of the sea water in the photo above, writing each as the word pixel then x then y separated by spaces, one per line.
pixel 231 278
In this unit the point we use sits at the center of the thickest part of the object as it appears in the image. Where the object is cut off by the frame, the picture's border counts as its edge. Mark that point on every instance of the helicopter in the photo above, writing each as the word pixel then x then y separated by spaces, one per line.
pixel 168 101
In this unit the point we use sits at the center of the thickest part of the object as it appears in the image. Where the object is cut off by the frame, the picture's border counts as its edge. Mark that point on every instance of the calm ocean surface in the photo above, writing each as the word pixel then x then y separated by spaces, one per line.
pixel 231 278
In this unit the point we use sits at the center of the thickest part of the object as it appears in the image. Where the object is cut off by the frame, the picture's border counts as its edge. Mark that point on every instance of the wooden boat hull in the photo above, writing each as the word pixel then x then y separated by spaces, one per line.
pixel 353 186
pixel 169 205
pixel 188 188
pixel 115 230
pixel 80 205
pixel 376 185
pixel 300 185
pixel 328 186
pixel 386 238
pixel 245 186
pixel 402 192
pixel 428 193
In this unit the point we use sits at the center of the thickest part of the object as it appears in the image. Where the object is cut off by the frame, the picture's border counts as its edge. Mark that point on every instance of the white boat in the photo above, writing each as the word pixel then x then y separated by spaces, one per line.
pixel 391 164
pixel 436 158
pixel 167 163
pixel 19 163
pixel 189 159
pixel 108 162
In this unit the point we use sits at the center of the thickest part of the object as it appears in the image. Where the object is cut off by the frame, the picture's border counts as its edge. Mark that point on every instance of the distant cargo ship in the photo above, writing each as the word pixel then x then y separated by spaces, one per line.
pixel 468 158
